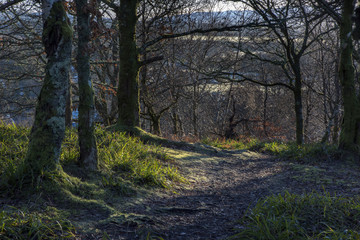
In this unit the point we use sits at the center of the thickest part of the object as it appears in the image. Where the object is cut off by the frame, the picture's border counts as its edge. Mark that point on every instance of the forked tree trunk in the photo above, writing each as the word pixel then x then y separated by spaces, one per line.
pixel 128 89
pixel 48 130
pixel 350 135
pixel 87 142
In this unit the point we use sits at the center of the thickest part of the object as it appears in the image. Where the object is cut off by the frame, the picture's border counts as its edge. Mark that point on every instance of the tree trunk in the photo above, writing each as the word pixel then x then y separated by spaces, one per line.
pixel 88 151
pixel 48 130
pixel 156 125
pixel 299 113
pixel 128 89
pixel 175 120
pixel 266 96
pixel 349 139
pixel 68 110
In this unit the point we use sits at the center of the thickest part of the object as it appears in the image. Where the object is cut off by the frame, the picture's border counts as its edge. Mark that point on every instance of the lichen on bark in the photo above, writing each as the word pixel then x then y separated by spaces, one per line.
pixel 56 28
pixel 48 129
pixel 87 142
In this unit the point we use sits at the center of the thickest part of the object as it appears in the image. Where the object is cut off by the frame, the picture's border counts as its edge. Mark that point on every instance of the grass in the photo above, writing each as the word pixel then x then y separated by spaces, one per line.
pixel 121 156
pixel 127 167
pixel 16 224
pixel 305 152
pixel 239 144
pixel 308 216
pixel 290 150
pixel 13 147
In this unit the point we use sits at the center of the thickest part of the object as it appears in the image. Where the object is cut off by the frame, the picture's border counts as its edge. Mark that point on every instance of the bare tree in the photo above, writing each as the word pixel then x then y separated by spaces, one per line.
pixel 283 43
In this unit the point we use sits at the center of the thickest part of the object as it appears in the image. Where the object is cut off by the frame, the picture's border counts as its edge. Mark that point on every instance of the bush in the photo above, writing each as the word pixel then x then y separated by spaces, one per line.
pixel 308 216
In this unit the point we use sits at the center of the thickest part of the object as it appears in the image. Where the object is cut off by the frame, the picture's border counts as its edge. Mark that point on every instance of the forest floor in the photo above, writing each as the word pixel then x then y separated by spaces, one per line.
pixel 221 186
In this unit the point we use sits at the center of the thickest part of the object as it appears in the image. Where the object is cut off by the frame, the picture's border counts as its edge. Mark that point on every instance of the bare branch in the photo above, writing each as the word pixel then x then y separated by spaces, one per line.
pixel 9 4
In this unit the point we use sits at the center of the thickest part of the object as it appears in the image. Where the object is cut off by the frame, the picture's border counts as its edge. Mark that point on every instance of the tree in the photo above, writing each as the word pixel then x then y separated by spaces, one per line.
pixel 128 87
pixel 21 61
pixel 48 129
pixel 350 132
pixel 87 142
pixel 350 129
pixel 130 54
pixel 288 36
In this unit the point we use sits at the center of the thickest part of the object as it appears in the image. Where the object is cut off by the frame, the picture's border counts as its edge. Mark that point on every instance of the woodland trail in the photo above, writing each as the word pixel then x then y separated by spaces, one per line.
pixel 222 186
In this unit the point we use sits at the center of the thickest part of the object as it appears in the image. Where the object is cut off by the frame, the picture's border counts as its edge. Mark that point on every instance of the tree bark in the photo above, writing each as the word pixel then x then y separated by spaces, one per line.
pixel 68 110
pixel 48 130
pixel 88 151
pixel 299 113
pixel 156 125
pixel 128 89
pixel 349 139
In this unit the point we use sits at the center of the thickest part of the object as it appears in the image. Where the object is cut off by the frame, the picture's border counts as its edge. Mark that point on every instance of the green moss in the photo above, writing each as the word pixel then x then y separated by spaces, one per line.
pixel 58 20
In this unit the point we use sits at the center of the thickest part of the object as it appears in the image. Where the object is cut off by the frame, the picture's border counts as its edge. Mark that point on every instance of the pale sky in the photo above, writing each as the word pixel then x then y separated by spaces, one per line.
pixel 225 6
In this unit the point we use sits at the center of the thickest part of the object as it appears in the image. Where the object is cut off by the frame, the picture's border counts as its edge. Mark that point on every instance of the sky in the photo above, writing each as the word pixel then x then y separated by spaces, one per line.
pixel 225 6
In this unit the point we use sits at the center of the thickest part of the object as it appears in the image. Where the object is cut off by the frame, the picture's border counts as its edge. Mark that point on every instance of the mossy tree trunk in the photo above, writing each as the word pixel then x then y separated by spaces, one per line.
pixel 128 88
pixel 349 136
pixel 49 126
pixel 68 110
pixel 87 142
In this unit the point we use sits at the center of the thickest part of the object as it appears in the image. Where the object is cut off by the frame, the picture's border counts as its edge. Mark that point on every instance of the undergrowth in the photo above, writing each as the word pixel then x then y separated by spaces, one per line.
pixel 308 216
pixel 125 163
pixel 16 224
pixel 240 144
pixel 122 157
pixel 129 158
pixel 290 150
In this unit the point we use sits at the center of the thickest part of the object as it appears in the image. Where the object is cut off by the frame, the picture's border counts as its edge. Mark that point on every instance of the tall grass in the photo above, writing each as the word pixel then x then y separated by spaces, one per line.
pixel 13 147
pixel 308 216
pixel 130 158
pixel 124 157
pixel 124 161
pixel 20 225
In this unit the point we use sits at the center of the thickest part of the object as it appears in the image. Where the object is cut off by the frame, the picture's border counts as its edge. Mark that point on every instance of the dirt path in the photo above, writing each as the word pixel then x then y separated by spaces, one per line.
pixel 222 186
